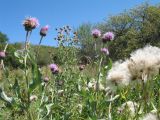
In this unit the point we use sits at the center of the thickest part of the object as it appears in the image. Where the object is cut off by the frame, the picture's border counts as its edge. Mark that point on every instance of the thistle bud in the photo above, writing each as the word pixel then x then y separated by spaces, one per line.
pixel 44 30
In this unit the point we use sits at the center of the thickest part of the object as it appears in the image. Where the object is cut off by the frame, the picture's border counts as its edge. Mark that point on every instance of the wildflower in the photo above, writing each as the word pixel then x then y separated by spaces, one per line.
pixel 44 30
pixel 96 33
pixel 30 23
pixel 81 67
pixel 105 51
pixel 54 68
pixel 2 55
pixel 33 98
pixel 108 36
pixel 46 79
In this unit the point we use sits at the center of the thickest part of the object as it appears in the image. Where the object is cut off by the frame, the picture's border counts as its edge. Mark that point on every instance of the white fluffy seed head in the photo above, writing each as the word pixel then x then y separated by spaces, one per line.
pixel 129 106
pixel 150 116
pixel 143 64
pixel 119 75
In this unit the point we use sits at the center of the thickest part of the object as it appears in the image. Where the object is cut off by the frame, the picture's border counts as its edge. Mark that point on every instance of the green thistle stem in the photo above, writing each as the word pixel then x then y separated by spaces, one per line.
pixel 25 67
pixel 39 46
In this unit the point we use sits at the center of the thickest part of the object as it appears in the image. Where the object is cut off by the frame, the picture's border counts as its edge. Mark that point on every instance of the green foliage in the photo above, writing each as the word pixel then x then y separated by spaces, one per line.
pixel 3 38
pixel 36 77
pixel 45 54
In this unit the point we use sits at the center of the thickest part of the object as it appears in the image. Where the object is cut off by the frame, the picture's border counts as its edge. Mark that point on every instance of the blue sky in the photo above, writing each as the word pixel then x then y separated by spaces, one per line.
pixel 57 13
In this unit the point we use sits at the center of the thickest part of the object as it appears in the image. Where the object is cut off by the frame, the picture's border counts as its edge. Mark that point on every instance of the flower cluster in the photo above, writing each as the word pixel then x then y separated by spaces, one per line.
pixel 65 35
pixel 108 36
pixel 62 32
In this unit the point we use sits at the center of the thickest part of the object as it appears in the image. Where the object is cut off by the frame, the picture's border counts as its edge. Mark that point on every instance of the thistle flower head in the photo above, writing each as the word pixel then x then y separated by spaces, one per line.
pixel 119 75
pixel 54 68
pixel 2 54
pixel 145 63
pixel 96 33
pixel 46 79
pixel 30 23
pixel 44 30
pixel 108 36
pixel 105 51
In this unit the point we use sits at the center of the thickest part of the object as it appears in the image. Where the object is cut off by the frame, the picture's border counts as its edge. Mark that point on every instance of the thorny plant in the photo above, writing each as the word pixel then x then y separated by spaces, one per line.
pixel 67 92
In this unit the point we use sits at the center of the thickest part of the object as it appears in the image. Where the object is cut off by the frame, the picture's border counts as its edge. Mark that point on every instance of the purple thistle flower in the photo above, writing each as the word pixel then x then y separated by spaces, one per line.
pixel 46 79
pixel 54 68
pixel 30 23
pixel 96 33
pixel 105 51
pixel 2 54
pixel 44 30
pixel 108 36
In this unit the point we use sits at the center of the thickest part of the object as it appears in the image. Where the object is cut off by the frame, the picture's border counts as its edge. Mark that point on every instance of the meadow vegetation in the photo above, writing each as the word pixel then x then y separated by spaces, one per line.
pixel 107 71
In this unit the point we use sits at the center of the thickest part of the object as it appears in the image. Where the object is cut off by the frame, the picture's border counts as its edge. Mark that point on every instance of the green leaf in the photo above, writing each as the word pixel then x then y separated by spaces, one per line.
pixel 16 88
pixel 5 98
pixel 48 107
pixel 36 77
pixel 109 66
pixel 20 55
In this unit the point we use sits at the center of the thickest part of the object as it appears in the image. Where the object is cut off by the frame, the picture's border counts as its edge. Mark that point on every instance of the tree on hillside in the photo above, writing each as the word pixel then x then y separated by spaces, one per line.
pixel 136 28
pixel 133 29
pixel 3 38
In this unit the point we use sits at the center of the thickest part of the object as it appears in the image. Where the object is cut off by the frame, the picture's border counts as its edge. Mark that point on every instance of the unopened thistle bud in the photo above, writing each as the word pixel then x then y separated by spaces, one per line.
pixel 44 30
